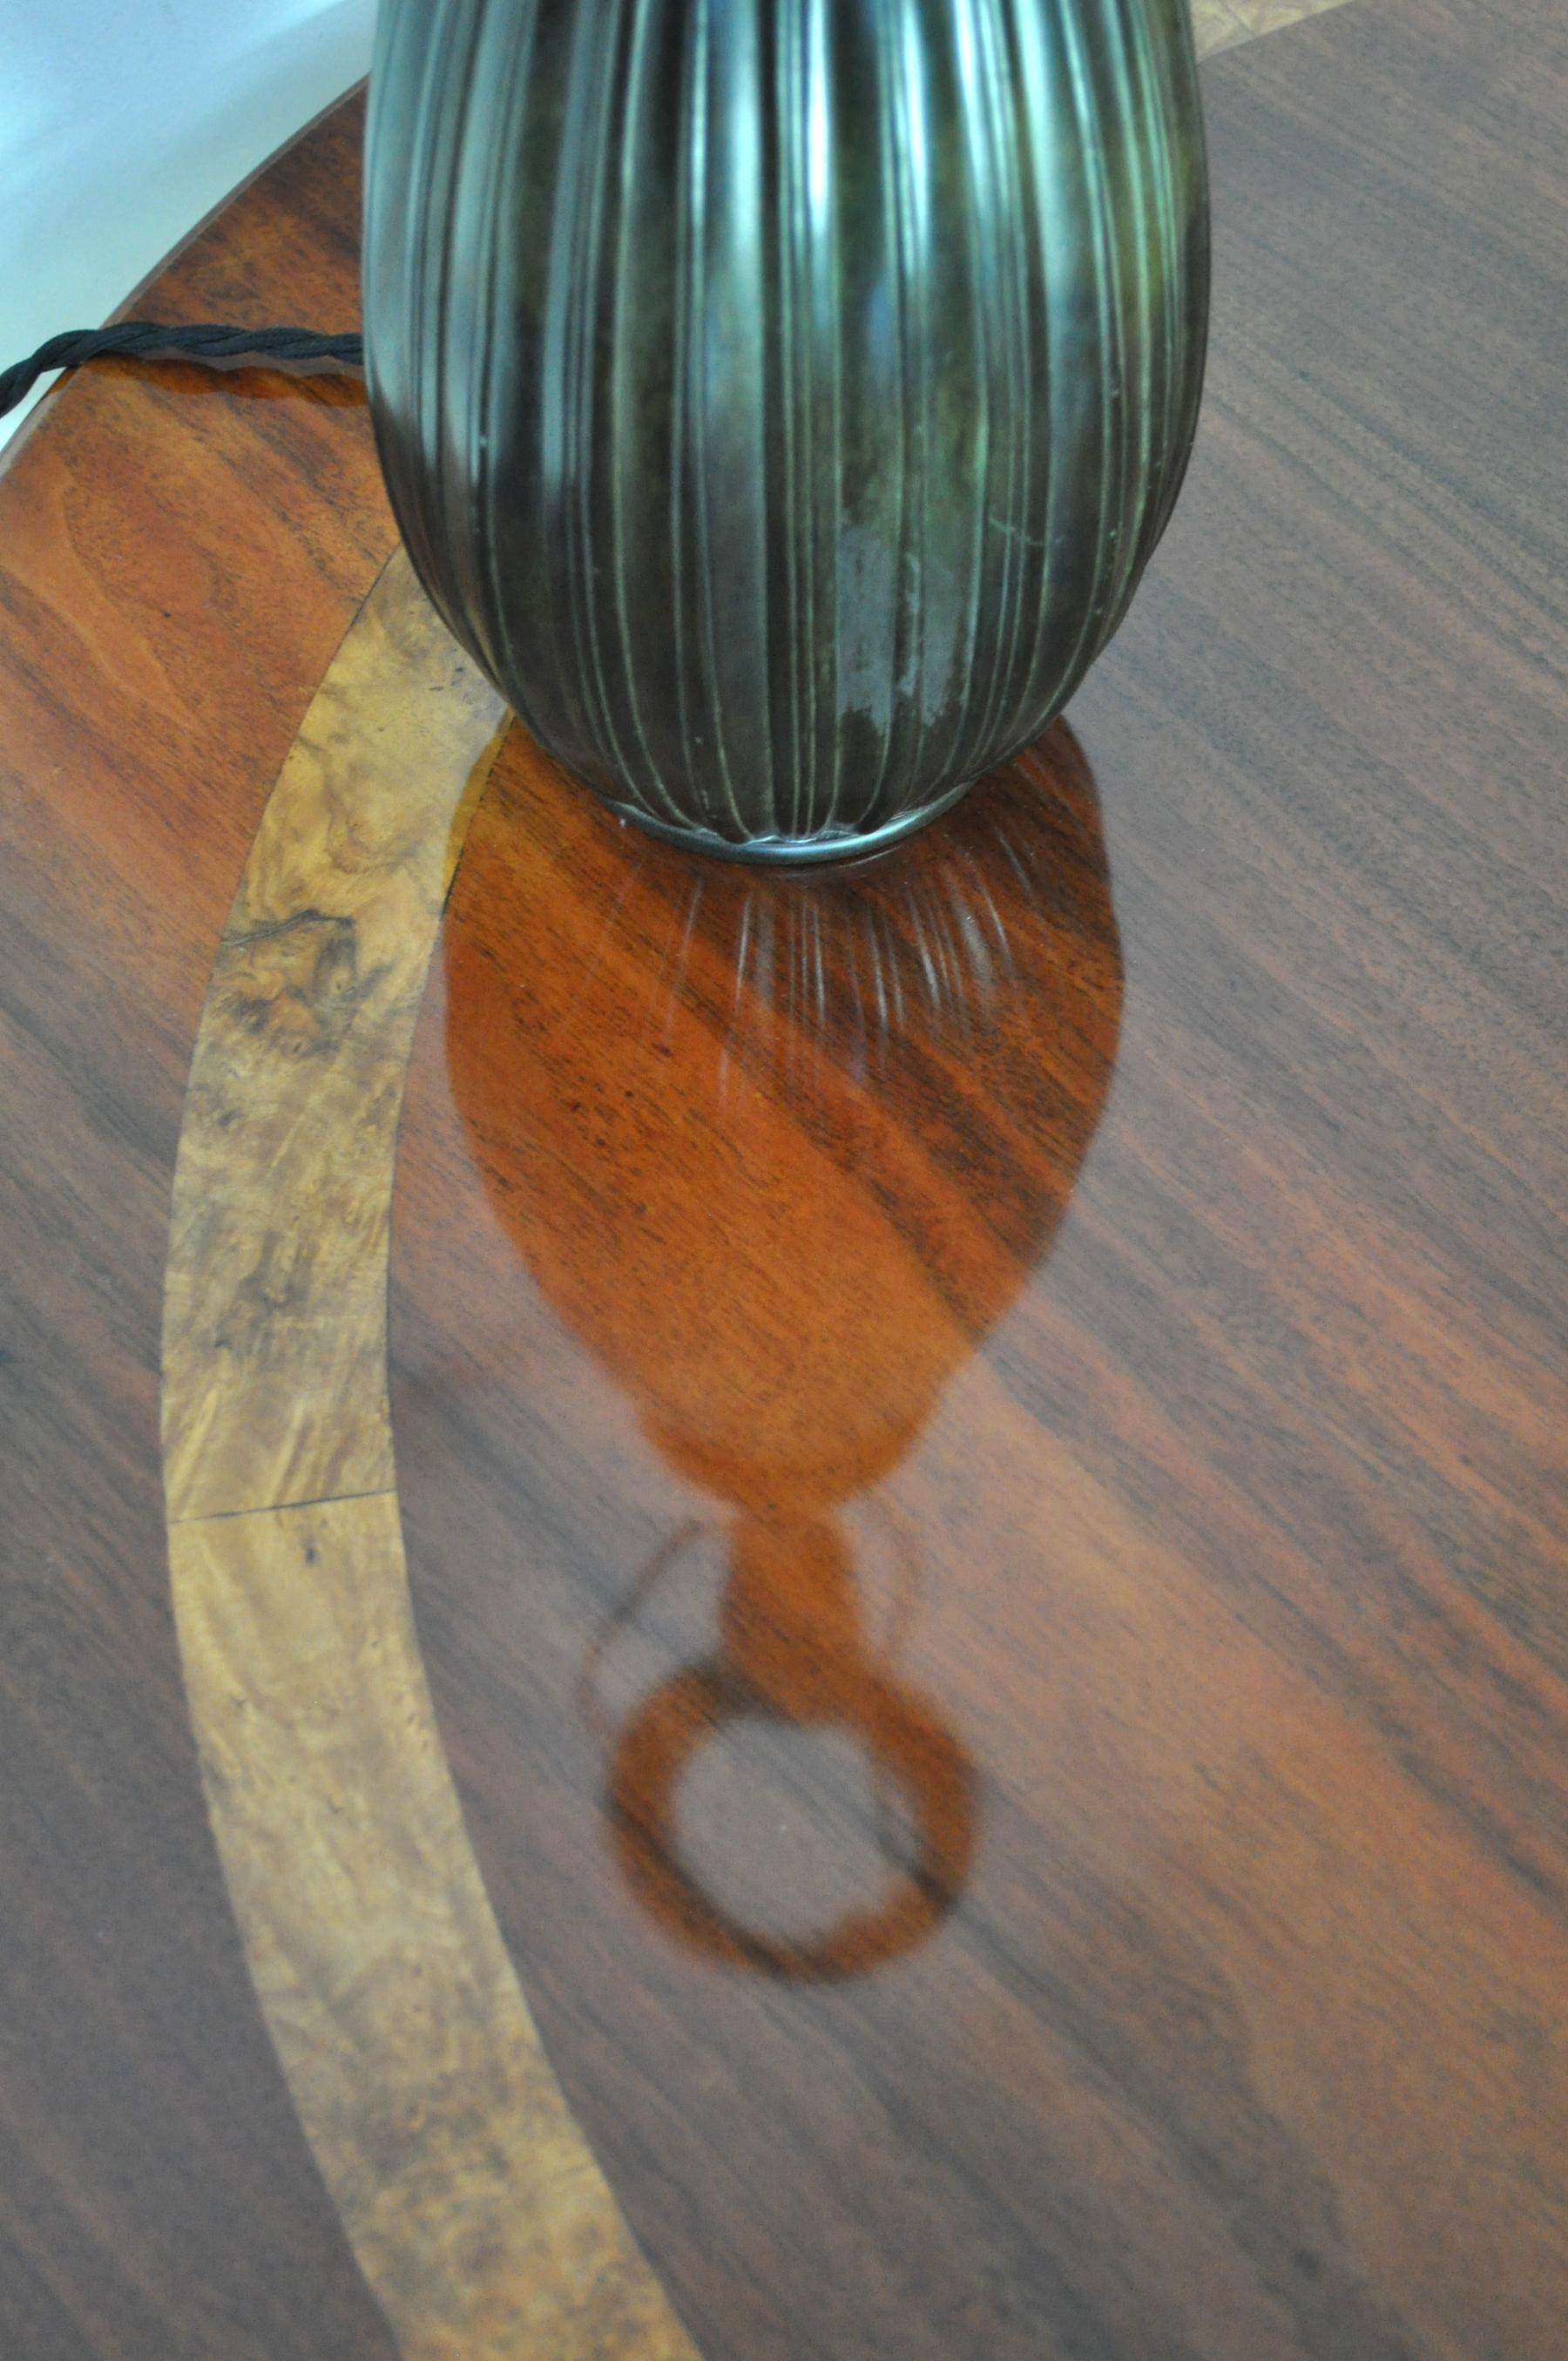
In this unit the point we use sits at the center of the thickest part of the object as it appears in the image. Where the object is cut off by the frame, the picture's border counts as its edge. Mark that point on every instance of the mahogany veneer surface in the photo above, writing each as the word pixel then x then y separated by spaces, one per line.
pixel 979 1441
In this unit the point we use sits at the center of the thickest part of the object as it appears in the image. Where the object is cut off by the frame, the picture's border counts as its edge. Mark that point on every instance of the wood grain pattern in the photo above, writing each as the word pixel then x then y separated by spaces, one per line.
pixel 1222 1544
pixel 157 2198
pixel 1214 1560
pixel 469 2197
pixel 274 1341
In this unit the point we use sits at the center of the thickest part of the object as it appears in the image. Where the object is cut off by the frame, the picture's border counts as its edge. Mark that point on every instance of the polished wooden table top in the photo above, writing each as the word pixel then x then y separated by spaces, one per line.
pixel 806 1616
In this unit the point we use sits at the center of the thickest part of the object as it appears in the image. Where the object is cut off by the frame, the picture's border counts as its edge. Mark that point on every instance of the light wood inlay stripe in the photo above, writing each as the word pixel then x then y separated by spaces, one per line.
pixel 1222 24
pixel 274 1351
pixel 471 2199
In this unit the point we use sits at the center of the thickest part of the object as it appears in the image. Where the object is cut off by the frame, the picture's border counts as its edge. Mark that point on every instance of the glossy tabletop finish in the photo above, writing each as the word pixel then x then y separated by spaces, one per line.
pixel 914 1702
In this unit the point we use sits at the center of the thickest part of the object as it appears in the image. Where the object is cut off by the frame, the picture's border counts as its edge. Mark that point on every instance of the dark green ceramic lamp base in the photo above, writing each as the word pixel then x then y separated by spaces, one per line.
pixel 782 399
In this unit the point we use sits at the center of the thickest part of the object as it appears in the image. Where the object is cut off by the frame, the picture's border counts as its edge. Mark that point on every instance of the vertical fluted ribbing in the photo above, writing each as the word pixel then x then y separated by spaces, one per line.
pixel 782 399
pixel 707 754
pixel 568 353
pixel 684 638
pixel 824 361
pixel 879 631
pixel 624 490
pixel 787 626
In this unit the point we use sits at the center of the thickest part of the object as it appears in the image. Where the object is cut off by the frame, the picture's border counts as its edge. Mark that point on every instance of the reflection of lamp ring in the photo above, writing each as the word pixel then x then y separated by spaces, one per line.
pixel 904 1739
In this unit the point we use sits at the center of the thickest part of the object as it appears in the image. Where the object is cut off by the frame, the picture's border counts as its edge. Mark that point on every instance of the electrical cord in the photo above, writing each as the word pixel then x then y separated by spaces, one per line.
pixel 147 340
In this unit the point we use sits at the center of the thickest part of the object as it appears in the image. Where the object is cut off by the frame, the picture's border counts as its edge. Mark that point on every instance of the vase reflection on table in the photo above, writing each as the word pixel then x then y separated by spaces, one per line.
pixel 824 1130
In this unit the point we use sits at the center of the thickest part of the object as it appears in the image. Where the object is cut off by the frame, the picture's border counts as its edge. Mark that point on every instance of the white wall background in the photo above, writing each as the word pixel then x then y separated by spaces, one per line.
pixel 123 122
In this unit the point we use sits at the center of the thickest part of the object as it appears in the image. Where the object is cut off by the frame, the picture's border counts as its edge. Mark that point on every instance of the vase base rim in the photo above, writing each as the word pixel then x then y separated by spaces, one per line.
pixel 792 852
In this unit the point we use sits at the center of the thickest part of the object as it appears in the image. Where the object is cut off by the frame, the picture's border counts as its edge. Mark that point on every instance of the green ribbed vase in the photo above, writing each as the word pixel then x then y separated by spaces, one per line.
pixel 781 399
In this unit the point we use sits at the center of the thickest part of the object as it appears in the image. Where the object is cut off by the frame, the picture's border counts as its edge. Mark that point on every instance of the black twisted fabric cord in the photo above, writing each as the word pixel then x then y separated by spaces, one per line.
pixel 147 340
